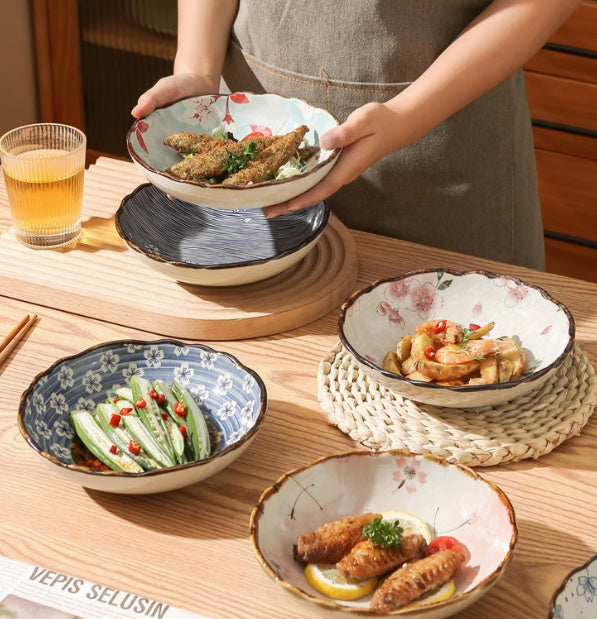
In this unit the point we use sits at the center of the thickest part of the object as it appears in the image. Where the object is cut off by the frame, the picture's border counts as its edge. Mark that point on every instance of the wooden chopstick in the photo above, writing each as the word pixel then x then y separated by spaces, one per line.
pixel 14 336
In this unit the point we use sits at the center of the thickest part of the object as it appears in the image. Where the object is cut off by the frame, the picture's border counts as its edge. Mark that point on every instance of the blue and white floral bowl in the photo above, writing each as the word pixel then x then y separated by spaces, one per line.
pixel 373 320
pixel 576 598
pixel 453 500
pixel 233 396
pixel 240 113
pixel 212 247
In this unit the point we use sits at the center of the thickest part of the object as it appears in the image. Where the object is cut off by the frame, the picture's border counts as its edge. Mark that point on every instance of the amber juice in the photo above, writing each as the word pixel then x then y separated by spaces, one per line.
pixel 45 191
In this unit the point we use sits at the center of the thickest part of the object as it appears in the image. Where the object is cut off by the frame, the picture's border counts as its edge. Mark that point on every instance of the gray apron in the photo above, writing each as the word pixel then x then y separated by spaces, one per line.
pixel 469 185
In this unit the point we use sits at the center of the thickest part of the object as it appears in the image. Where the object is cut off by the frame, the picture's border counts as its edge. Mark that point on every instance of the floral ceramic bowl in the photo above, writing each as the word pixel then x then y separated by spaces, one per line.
pixel 233 400
pixel 576 598
pixel 212 247
pixel 373 320
pixel 239 114
pixel 452 500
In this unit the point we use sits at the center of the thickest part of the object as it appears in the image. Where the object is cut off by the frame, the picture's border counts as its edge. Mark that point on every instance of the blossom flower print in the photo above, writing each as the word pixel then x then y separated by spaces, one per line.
pixel 39 402
pixel 86 404
pixel 394 317
pixel 154 357
pixel 208 359
pixel 131 348
pixel 423 299
pixel 587 587
pixel 64 428
pixel 181 351
pixel 399 289
pixel 58 403
pixel 227 409
pixel 65 377
pixel 201 392
pixel 91 381
pixel 132 370
pixel 62 453
pixel 517 293
pixel 408 474
pixel 248 384
pixel 109 362
pixel 246 412
pixel 183 373
pixel 42 429
pixel 223 384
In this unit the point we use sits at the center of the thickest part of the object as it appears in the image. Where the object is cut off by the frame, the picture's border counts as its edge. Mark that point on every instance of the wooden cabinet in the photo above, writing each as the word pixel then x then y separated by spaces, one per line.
pixel 95 58
pixel 561 83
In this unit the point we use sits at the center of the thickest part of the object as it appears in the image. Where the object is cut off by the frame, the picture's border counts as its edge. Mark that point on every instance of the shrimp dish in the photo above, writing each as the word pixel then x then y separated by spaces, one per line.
pixel 446 353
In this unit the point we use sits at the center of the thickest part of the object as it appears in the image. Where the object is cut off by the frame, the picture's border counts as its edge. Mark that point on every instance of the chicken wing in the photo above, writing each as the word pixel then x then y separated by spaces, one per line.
pixel 408 583
pixel 366 560
pixel 330 542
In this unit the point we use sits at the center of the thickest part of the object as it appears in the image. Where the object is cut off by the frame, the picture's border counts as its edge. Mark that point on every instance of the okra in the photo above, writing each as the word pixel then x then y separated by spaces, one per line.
pixel 137 429
pixel 98 443
pixel 196 422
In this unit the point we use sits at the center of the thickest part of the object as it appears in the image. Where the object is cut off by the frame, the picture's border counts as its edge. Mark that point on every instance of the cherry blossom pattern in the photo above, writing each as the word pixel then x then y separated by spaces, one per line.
pixel 140 128
pixel 393 315
pixel 408 474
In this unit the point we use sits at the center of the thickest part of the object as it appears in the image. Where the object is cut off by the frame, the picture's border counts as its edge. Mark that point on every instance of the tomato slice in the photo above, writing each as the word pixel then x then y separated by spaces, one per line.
pixel 255 134
pixel 445 542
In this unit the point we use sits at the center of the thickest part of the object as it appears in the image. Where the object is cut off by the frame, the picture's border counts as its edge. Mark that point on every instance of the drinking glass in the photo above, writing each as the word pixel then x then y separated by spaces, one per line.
pixel 43 167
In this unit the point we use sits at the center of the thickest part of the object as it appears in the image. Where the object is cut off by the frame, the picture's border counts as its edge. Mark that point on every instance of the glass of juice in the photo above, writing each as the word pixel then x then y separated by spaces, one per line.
pixel 43 167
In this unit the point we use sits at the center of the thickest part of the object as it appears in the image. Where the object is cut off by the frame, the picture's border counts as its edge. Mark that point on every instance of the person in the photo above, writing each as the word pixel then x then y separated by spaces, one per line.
pixel 436 133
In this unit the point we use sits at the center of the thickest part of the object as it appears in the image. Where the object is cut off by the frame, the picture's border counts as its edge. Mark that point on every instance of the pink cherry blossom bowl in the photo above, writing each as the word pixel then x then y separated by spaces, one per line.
pixel 373 320
pixel 452 500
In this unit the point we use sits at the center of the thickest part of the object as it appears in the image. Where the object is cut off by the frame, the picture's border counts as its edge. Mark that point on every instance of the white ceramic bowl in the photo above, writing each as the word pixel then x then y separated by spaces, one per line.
pixel 233 396
pixel 241 114
pixel 374 319
pixel 576 597
pixel 452 499
pixel 212 247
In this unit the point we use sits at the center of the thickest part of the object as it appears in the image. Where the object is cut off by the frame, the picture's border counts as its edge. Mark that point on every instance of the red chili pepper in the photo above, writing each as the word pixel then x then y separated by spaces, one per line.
pixel 183 430
pixel 180 409
pixel 439 326
pixel 161 398
pixel 430 353
pixel 126 411
pixel 116 400
pixel 140 403
pixel 153 394
pixel 473 326
pixel 113 449
pixel 134 447
pixel 164 416
pixel 114 420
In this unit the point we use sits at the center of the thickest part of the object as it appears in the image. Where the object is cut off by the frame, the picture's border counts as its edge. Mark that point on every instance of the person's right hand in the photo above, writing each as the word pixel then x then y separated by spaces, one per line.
pixel 170 89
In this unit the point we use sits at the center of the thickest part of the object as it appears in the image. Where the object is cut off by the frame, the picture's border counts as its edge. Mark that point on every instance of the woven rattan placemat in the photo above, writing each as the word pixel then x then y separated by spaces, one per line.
pixel 527 427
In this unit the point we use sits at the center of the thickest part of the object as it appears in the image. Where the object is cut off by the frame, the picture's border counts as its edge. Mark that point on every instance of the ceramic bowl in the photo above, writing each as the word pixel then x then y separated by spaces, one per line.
pixel 576 598
pixel 240 114
pixel 234 402
pixel 374 319
pixel 452 499
pixel 211 247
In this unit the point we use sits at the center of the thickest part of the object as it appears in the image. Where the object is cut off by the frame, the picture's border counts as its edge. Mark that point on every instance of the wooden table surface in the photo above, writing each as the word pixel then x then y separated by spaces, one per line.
pixel 191 548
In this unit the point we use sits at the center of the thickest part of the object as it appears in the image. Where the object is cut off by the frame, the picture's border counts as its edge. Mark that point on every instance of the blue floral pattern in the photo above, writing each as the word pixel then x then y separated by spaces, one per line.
pixel 231 396
pixel 577 596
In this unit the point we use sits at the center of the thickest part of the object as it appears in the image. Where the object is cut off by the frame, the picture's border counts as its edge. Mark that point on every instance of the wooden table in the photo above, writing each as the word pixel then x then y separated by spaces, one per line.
pixel 191 548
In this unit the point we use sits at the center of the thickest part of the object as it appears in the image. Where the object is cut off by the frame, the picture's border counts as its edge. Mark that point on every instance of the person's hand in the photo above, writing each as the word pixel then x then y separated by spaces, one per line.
pixel 369 133
pixel 170 89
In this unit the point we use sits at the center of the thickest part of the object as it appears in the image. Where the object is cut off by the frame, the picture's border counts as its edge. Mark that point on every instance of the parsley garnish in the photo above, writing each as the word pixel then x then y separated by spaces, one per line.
pixel 235 162
pixel 383 533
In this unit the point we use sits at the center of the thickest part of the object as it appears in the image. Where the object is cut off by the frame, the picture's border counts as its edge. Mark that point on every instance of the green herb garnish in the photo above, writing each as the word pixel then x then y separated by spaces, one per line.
pixel 383 533
pixel 235 162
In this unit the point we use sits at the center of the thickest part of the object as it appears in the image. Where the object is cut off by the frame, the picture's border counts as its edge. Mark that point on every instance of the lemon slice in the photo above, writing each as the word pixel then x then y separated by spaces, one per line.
pixel 443 593
pixel 325 578
pixel 410 523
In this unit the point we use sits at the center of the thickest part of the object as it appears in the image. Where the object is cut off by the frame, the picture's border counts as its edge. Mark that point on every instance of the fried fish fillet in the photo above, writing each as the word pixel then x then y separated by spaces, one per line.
pixel 188 142
pixel 366 560
pixel 212 163
pixel 408 583
pixel 330 542
pixel 267 162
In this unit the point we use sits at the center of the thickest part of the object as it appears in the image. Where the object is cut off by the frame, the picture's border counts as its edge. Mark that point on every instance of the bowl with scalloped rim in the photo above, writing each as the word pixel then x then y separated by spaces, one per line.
pixel 240 113
pixel 452 499
pixel 232 397
pixel 576 597
pixel 375 318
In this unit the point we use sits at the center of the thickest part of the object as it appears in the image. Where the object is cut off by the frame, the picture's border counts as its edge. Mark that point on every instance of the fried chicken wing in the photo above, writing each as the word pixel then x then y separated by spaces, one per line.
pixel 330 542
pixel 267 162
pixel 408 583
pixel 366 560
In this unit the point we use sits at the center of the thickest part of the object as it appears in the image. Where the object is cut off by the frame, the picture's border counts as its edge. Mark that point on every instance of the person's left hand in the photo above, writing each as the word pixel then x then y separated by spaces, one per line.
pixel 368 134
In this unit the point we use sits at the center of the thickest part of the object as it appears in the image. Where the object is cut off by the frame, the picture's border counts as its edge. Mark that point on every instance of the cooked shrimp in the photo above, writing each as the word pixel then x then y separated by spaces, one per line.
pixel 470 351
pixel 443 331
